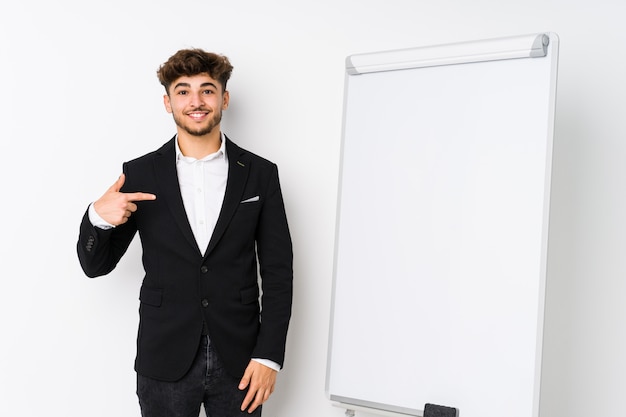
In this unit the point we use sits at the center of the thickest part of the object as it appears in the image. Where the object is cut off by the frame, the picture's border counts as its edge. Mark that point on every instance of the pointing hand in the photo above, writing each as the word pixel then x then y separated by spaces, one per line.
pixel 116 207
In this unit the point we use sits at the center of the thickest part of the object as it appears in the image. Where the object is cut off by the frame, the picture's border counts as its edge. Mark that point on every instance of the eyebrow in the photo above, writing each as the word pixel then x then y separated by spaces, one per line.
pixel 189 85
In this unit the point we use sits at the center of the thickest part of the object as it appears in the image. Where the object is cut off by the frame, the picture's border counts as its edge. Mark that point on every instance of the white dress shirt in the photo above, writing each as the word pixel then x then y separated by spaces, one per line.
pixel 202 186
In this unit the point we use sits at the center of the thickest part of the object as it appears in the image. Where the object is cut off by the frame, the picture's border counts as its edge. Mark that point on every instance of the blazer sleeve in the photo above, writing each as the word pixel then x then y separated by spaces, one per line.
pixel 99 250
pixel 274 248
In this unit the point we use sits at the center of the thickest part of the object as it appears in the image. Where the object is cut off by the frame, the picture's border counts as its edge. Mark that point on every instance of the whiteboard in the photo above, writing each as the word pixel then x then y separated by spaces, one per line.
pixel 442 228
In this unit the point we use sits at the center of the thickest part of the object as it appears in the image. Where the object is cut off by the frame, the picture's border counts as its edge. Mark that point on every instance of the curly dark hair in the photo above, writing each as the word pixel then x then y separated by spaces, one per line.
pixel 189 62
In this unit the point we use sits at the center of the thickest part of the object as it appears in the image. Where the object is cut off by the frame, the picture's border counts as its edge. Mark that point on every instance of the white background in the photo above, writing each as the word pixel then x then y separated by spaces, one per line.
pixel 80 96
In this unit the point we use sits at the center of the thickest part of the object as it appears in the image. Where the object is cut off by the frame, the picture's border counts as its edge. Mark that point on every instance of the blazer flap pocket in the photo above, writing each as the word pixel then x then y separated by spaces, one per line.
pixel 250 295
pixel 151 296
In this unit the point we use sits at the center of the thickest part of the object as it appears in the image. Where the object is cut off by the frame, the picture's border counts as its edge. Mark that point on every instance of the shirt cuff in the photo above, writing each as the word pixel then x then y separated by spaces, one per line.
pixel 268 363
pixel 98 221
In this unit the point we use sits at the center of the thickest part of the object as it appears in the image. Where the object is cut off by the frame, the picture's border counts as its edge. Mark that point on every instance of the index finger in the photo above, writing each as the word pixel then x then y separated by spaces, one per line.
pixel 247 401
pixel 140 196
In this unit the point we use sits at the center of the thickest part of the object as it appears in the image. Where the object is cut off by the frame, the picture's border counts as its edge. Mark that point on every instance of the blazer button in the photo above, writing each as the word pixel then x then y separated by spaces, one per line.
pixel 90 243
pixel 205 303
pixel 204 269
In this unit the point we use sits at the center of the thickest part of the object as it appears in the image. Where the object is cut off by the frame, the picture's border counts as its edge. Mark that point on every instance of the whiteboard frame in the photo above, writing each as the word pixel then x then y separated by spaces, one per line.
pixel 543 45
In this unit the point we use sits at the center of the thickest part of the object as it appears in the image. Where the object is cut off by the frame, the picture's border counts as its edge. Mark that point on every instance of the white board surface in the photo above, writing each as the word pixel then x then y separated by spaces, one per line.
pixel 442 230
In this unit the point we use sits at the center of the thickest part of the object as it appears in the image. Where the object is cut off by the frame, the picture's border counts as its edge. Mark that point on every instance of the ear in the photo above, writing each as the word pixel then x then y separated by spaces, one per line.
pixel 166 102
pixel 225 100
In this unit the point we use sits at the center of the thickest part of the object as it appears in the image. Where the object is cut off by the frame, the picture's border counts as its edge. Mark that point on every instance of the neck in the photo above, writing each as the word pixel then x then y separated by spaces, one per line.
pixel 199 146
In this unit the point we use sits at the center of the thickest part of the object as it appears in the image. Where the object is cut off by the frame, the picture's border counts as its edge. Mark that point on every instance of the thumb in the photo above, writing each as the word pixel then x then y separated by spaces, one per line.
pixel 118 184
pixel 245 380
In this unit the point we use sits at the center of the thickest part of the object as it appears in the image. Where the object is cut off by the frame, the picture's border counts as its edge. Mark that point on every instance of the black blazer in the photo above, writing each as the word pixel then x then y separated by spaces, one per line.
pixel 182 288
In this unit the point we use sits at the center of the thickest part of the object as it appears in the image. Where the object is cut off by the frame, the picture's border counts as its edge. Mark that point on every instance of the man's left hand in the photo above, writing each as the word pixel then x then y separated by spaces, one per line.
pixel 260 381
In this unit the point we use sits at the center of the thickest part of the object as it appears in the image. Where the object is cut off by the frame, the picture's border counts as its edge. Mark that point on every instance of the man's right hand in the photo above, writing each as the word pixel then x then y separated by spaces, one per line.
pixel 115 207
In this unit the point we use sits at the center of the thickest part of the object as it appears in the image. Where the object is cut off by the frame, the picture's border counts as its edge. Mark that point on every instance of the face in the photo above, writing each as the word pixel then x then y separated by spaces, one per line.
pixel 196 102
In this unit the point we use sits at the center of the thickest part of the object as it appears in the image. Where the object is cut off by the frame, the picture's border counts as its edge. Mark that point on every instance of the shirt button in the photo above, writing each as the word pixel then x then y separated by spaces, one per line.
pixel 205 303
pixel 204 269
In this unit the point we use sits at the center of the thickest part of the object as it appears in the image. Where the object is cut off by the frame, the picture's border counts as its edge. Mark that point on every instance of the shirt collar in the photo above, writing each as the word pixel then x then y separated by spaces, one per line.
pixel 221 152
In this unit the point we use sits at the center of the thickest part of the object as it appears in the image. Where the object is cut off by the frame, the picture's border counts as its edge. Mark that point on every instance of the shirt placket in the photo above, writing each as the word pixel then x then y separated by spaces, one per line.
pixel 199 180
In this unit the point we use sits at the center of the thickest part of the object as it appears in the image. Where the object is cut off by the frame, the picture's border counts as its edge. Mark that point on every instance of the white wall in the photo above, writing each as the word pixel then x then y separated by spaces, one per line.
pixel 80 96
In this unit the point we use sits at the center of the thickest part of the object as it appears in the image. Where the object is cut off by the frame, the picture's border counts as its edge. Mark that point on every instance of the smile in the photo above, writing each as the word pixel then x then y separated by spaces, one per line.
pixel 197 115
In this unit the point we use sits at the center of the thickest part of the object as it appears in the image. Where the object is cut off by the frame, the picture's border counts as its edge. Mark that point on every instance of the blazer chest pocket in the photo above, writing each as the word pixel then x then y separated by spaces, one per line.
pixel 252 203
pixel 151 296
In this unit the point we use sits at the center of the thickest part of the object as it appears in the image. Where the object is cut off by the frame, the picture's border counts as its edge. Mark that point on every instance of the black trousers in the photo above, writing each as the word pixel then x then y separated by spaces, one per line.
pixel 206 383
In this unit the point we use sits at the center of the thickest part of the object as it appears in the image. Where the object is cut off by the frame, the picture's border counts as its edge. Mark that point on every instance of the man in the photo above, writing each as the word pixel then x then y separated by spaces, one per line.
pixel 208 213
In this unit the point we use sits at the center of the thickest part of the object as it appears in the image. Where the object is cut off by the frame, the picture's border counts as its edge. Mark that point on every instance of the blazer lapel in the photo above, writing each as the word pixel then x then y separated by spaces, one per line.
pixel 238 169
pixel 167 179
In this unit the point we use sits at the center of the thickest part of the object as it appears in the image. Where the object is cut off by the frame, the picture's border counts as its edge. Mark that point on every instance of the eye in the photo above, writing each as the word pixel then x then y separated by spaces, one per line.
pixel 208 91
pixel 181 92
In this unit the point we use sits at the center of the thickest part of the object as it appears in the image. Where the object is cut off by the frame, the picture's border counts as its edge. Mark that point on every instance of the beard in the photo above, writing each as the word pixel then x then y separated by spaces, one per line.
pixel 200 130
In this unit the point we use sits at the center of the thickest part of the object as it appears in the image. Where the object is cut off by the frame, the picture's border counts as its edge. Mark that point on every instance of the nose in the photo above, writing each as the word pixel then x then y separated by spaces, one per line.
pixel 197 100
